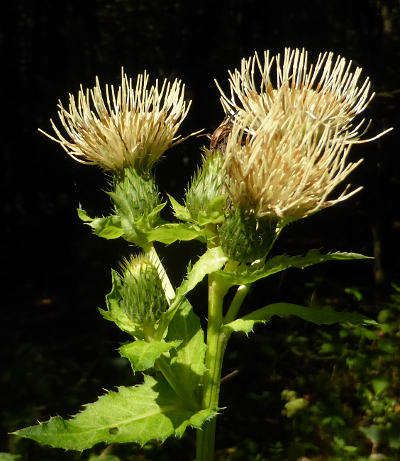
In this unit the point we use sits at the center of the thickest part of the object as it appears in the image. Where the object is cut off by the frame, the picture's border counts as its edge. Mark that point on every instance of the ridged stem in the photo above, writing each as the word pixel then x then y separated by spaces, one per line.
pixel 217 339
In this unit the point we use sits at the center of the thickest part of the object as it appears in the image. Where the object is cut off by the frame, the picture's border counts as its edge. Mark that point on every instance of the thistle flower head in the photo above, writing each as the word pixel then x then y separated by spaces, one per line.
pixel 129 126
pixel 327 92
pixel 286 169
pixel 290 140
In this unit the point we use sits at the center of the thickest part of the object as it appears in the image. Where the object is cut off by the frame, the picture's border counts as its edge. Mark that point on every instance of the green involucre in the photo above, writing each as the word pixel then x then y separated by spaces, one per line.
pixel 143 299
pixel 246 238
pixel 138 203
pixel 206 186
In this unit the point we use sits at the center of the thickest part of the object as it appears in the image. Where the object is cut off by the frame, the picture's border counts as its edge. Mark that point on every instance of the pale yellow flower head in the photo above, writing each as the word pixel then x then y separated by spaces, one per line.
pixel 290 139
pixel 328 92
pixel 131 126
pixel 285 171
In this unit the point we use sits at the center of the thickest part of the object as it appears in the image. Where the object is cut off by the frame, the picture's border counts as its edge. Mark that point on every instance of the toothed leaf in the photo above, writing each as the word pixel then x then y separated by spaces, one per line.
pixel 319 316
pixel 114 313
pixel 140 414
pixel 187 360
pixel 143 354
pixel 245 274
pixel 172 232
pixel 108 227
pixel 180 211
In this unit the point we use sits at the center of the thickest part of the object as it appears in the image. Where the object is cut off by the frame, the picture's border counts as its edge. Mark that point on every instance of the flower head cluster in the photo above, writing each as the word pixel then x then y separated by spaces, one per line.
pixel 290 138
pixel 130 126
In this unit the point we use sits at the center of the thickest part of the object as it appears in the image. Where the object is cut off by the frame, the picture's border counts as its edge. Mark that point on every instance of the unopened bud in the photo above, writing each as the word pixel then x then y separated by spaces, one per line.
pixel 143 297
pixel 137 201
pixel 246 238
pixel 206 185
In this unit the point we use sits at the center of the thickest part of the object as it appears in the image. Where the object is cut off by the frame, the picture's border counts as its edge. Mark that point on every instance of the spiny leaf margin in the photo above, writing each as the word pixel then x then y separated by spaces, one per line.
pixel 139 414
pixel 318 315
pixel 245 274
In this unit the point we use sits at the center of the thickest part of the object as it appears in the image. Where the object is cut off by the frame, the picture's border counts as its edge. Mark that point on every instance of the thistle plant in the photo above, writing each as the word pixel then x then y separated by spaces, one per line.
pixel 279 156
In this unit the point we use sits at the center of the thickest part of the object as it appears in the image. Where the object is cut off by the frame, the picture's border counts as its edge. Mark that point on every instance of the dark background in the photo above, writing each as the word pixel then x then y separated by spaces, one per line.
pixel 55 272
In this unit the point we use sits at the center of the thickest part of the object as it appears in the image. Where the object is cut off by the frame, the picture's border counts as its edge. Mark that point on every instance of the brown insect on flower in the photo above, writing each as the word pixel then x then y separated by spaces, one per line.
pixel 219 138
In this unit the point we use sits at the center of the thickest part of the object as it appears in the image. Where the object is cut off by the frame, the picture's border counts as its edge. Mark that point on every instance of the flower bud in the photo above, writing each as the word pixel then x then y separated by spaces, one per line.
pixel 246 238
pixel 137 201
pixel 206 185
pixel 143 298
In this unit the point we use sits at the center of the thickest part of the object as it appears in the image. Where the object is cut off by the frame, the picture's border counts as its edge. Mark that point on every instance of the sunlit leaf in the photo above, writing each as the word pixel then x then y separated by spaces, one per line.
pixel 187 360
pixel 150 411
pixel 108 227
pixel 317 315
pixel 143 354
pixel 172 232
pixel 379 385
pixel 244 274
pixel 180 211
pixel 114 313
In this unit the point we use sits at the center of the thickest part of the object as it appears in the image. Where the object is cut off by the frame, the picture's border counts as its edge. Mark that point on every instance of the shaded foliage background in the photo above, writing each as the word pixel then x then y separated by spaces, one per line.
pixel 55 272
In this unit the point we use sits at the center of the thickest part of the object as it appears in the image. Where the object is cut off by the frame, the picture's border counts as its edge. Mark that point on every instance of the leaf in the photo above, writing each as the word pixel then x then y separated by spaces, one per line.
pixel 244 274
pixel 319 316
pixel 379 385
pixel 187 360
pixel 374 433
pixel 9 457
pixel 114 313
pixel 150 411
pixel 180 211
pixel 171 232
pixel 143 354
pixel 211 261
pixel 108 227
pixel 214 213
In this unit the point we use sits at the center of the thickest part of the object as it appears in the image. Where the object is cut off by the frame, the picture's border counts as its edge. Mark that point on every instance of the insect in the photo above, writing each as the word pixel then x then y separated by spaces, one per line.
pixel 219 138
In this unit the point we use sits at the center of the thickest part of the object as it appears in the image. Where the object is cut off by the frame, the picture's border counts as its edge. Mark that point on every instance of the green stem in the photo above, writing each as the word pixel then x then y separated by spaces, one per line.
pixel 237 301
pixel 217 339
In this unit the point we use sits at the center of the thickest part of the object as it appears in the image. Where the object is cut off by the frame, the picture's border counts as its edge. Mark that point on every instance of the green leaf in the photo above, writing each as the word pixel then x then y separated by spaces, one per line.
pixel 151 411
pixel 187 360
pixel 108 227
pixel 379 385
pixel 217 205
pixel 319 316
pixel 114 313
pixel 374 433
pixel 211 261
pixel 244 274
pixel 143 354
pixel 171 232
pixel 180 211
pixel 9 457
pixel 214 213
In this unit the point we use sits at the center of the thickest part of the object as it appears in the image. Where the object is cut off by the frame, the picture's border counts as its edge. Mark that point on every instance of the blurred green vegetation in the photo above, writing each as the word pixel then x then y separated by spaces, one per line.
pixel 307 393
